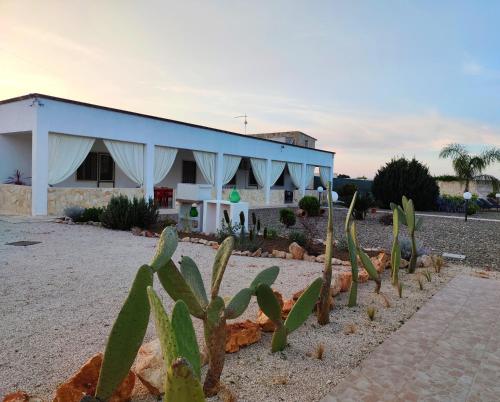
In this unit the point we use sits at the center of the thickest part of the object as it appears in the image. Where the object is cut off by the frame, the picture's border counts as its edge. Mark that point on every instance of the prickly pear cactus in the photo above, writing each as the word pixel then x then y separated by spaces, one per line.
pixel 396 249
pixel 126 335
pixel 324 298
pixel 268 303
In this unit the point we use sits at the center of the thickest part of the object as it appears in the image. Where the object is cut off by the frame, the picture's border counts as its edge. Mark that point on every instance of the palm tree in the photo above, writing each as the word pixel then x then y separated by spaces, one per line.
pixel 469 167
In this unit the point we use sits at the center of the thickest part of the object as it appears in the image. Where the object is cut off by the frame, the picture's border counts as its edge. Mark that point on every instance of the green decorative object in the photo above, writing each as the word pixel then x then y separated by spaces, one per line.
pixel 234 196
pixel 193 212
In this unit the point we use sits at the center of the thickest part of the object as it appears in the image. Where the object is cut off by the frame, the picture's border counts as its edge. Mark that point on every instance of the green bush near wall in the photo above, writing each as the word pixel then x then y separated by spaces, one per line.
pixel 123 214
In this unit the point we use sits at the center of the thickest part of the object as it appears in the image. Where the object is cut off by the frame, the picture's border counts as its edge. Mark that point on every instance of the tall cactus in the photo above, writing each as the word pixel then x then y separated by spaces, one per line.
pixel 180 351
pixel 187 285
pixel 396 248
pixel 298 314
pixel 355 252
pixel 324 297
pixel 407 218
pixel 349 230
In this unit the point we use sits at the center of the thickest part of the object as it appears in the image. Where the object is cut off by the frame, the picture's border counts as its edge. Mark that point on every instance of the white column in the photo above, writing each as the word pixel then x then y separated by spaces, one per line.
pixel 39 167
pixel 267 184
pixel 331 171
pixel 219 165
pixel 303 183
pixel 148 181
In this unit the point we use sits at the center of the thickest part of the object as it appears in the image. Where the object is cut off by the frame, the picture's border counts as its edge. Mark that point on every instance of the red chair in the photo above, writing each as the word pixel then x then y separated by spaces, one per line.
pixel 164 196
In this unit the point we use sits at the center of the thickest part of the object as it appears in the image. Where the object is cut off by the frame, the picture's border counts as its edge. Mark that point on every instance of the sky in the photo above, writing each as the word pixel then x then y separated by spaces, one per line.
pixel 370 80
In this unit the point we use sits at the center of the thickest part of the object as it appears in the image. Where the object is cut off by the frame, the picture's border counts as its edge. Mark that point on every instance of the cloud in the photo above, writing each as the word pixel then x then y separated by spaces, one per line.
pixel 472 68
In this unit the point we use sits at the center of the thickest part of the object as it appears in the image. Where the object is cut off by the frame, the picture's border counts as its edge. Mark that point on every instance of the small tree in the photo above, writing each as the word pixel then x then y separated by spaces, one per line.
pixel 468 167
pixel 405 177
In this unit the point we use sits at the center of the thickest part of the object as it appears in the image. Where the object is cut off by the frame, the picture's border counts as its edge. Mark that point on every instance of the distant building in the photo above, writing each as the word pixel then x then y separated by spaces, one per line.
pixel 290 137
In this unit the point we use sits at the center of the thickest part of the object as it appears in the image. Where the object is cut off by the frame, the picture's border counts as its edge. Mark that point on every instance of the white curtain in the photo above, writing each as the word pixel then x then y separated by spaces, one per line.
pixel 129 156
pixel 66 153
pixel 310 176
pixel 231 164
pixel 295 170
pixel 324 174
pixel 164 159
pixel 276 170
pixel 206 162
pixel 259 170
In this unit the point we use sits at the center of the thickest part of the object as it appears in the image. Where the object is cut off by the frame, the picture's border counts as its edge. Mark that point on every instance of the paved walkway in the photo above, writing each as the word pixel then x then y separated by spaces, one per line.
pixel 448 351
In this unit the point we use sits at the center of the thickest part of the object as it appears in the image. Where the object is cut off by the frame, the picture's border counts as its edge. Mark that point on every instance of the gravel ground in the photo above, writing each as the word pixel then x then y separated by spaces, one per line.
pixel 479 241
pixel 59 298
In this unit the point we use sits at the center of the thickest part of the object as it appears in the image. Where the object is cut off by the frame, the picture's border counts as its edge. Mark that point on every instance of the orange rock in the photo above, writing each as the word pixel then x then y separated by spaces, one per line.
pixel 345 279
pixel 296 295
pixel 18 396
pixel 264 322
pixel 84 382
pixel 296 251
pixel 149 367
pixel 215 246
pixel 381 261
pixel 287 306
pixel 363 276
pixel 241 334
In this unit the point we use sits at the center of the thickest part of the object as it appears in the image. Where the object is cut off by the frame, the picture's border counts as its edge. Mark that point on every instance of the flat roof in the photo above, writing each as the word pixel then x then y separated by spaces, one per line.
pixel 147 116
pixel 285 133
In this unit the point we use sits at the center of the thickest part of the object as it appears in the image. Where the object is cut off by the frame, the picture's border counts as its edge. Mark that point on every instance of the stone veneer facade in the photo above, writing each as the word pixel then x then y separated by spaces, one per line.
pixel 256 197
pixel 15 199
pixel 481 188
pixel 60 198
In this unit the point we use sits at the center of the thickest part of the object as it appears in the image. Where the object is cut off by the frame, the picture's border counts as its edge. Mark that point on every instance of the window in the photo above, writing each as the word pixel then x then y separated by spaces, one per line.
pixel 281 180
pixel 96 167
pixel 106 168
pixel 88 169
pixel 306 143
pixel 188 172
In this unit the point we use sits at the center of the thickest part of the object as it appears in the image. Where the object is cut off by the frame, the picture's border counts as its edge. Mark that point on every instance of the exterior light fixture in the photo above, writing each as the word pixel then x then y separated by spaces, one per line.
pixel 320 191
pixel 335 196
pixel 467 196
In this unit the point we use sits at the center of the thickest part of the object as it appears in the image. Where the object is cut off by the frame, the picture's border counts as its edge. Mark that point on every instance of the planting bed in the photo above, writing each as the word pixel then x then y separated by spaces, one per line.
pixel 59 298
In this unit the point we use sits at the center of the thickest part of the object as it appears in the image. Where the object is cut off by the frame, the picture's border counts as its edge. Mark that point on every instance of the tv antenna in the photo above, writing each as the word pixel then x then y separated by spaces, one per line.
pixel 245 122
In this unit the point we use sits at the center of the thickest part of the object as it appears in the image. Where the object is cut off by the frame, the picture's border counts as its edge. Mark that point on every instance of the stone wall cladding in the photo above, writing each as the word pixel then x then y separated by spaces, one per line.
pixel 60 198
pixel 15 199
pixel 457 188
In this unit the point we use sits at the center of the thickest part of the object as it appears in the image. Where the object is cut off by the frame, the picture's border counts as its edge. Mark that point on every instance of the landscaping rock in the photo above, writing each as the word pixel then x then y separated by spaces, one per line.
pixel 186 239
pixel 240 334
pixel 381 261
pixel 344 279
pixel 84 382
pixel 297 251
pixel 287 307
pixel 21 396
pixel 289 256
pixel 403 263
pixel 336 261
pixel 265 254
pixel 320 258
pixel 215 246
pixel 257 253
pixel 203 241
pixel 309 258
pixel 363 276
pixel 424 261
pixel 149 367
pixel 279 254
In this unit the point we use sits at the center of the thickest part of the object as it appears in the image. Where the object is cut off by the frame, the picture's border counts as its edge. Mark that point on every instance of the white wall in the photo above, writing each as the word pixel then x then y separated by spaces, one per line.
pixel 15 153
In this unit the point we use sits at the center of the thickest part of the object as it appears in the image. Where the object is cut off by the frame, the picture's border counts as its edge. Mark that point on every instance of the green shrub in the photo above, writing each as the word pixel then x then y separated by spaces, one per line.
pixel 287 217
pixel 310 205
pixel 91 215
pixel 298 237
pixel 405 177
pixel 347 190
pixel 143 213
pixel 74 213
pixel 122 214
pixel 271 233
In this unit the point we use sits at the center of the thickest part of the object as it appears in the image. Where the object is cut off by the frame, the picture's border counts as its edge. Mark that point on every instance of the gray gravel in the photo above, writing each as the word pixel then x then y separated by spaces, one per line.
pixel 479 241
pixel 59 298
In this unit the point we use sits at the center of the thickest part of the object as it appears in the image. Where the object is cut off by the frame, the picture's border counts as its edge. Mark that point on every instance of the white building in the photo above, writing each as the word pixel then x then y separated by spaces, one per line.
pixel 81 154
